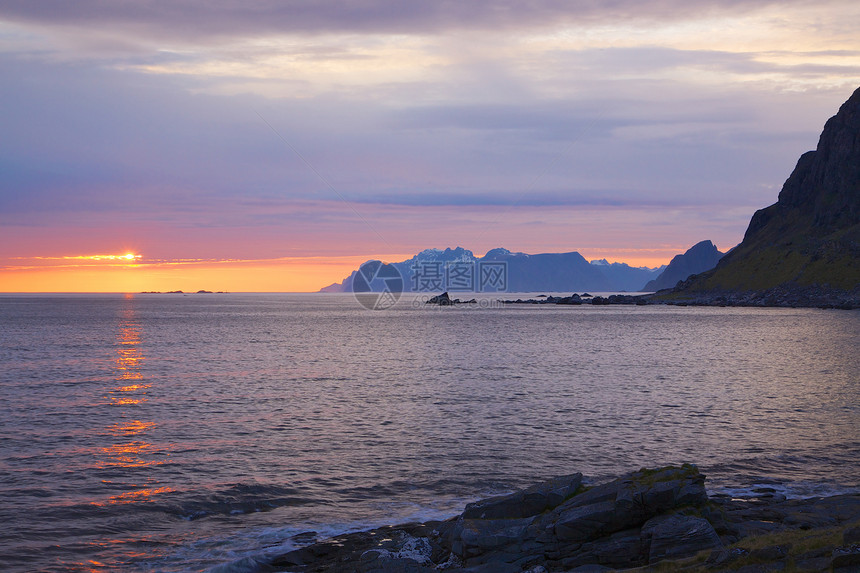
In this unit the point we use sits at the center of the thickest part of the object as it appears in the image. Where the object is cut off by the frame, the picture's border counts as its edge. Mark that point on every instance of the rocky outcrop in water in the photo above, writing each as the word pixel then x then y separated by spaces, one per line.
pixel 576 300
pixel 808 242
pixel 640 519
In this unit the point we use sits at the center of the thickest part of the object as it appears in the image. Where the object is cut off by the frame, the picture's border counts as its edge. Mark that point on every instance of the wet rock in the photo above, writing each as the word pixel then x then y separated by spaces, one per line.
pixel 771 553
pixel 815 560
pixel 620 549
pixel 493 568
pixel 584 522
pixel 478 536
pixel 761 568
pixel 403 549
pixel 846 559
pixel 559 525
pixel 724 556
pixel 396 565
pixel 676 536
pixel 851 536
pixel 809 520
pixel 528 502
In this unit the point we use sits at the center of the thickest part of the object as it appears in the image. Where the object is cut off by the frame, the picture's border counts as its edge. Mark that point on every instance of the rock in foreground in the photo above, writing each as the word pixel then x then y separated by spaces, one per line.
pixel 557 525
pixel 643 518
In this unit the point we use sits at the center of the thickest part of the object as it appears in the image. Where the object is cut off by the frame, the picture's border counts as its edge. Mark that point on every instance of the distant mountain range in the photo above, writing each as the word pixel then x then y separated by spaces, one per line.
pixel 699 258
pixel 458 269
pixel 804 250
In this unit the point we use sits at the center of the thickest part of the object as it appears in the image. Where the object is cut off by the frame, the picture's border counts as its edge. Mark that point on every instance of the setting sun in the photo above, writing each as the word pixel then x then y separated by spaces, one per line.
pixel 126 257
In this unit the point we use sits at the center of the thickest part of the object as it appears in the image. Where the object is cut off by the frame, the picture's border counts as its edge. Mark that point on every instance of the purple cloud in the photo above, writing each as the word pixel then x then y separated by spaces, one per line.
pixel 147 115
pixel 197 19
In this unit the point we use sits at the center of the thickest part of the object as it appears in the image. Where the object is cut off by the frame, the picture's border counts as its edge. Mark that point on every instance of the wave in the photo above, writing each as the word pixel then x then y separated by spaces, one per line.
pixel 791 475
pixel 238 499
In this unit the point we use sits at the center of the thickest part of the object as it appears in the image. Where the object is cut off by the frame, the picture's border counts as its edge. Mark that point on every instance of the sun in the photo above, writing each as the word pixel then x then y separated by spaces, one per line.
pixel 127 256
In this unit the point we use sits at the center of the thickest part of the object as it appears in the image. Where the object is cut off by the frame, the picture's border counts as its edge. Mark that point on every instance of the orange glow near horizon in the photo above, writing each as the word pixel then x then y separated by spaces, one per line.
pixel 651 258
pixel 293 274
pixel 124 257
pixel 132 273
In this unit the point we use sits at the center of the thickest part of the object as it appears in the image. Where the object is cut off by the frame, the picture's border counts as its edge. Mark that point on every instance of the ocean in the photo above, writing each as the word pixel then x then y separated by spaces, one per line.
pixel 169 432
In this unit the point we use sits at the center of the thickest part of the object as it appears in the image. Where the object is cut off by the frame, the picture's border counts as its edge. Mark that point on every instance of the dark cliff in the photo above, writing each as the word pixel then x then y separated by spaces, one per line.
pixel 810 238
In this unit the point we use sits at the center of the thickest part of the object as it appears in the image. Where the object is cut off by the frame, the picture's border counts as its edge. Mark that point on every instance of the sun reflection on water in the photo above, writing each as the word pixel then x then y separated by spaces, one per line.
pixel 131 448
pixel 129 428
pixel 94 566
pixel 129 361
pixel 142 495
pixel 129 455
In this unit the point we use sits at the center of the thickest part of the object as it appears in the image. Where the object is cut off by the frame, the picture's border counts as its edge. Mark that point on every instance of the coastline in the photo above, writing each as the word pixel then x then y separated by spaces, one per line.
pixel 778 297
pixel 648 520
pixel 785 295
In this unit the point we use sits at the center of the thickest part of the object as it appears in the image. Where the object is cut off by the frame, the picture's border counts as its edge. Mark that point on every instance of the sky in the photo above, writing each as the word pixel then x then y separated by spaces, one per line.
pixel 274 146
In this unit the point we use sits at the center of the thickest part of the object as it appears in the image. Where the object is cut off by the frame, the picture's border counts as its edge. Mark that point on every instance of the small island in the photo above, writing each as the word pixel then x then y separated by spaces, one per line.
pixel 201 291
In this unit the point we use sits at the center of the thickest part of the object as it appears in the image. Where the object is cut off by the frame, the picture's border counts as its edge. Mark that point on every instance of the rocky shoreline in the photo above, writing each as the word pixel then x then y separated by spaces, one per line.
pixel 783 296
pixel 585 298
pixel 648 520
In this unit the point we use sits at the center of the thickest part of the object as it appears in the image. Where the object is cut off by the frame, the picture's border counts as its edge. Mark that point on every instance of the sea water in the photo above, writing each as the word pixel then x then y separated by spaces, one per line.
pixel 178 432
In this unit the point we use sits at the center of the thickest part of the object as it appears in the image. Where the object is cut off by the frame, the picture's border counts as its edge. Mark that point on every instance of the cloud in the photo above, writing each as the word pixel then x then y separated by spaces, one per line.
pixel 139 124
pixel 198 19
pixel 226 37
pixel 90 141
